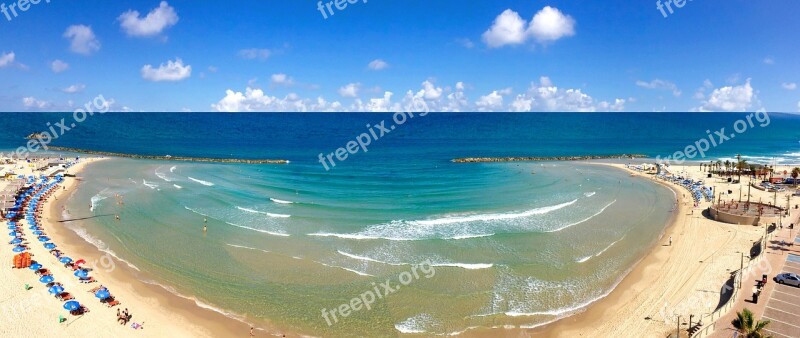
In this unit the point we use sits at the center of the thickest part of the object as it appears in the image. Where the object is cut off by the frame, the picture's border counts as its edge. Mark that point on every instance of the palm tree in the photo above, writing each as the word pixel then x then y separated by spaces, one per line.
pixel 719 165
pixel 727 165
pixel 746 324
pixel 795 174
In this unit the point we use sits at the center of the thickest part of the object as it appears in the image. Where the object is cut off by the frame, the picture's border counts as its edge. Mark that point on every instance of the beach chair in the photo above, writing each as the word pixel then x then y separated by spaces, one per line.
pixel 113 303
pixel 94 290
pixel 65 297
pixel 87 280
pixel 43 272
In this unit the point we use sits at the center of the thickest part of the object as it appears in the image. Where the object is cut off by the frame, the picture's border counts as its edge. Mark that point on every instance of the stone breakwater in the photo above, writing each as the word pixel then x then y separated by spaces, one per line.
pixel 534 159
pixel 168 157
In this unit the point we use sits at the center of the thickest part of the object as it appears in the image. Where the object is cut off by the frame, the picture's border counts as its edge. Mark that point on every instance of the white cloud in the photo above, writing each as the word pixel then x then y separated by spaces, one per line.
pixel 281 79
pixel 255 54
pixel 154 23
pixel 729 99
pixel 769 61
pixel 76 88
pixel 350 90
pixel 491 102
pixel 466 43
pixel 32 103
pixel 550 24
pixel 172 71
pixel 789 86
pixel 59 66
pixel 82 39
pixel 255 100
pixel 378 64
pixel 7 59
pixel 508 29
pixel 430 91
pixel 660 85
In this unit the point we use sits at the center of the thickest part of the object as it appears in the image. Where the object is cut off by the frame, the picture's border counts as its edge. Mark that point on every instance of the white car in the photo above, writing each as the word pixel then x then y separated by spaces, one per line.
pixel 788 279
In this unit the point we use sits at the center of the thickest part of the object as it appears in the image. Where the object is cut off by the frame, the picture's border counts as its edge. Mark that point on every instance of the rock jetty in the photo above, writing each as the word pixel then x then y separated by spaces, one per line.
pixel 168 157
pixel 535 159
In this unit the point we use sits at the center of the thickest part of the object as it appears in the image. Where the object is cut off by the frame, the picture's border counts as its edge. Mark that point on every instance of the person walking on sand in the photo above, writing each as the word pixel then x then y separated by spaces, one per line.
pixel 205 228
pixel 670 240
pixel 251 332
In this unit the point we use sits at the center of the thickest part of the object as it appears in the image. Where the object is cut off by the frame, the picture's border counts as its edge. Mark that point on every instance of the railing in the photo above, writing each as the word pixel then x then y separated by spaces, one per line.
pixel 712 319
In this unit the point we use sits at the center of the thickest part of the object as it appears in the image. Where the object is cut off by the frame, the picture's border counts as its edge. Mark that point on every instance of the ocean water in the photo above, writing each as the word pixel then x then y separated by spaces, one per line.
pixel 516 244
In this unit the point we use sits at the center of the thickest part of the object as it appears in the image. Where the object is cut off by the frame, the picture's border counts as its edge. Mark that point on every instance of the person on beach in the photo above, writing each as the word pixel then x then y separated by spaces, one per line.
pixel 670 240
pixel 205 228
pixel 251 332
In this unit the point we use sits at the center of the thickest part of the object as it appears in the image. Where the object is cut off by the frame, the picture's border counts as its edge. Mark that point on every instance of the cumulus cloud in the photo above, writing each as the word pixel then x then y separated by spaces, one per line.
pixel 32 103
pixel 547 25
pixel 281 79
pixel 350 90
pixel 541 96
pixel 171 71
pixel 82 39
pixel 76 88
pixel 255 54
pixel 660 85
pixel 789 86
pixel 7 59
pixel 378 64
pixel 59 66
pixel 159 19
pixel 729 99
pixel 508 29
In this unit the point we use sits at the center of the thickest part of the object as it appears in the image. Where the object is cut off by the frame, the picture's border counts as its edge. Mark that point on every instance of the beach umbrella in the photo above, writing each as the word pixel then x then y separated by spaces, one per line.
pixel 80 261
pixel 65 260
pixel 81 273
pixel 102 294
pixel 35 266
pixel 38 232
pixel 16 240
pixel 56 289
pixel 18 249
pixel 72 305
pixel 49 246
pixel 14 234
pixel 46 279
pixel 12 227
pixel 43 238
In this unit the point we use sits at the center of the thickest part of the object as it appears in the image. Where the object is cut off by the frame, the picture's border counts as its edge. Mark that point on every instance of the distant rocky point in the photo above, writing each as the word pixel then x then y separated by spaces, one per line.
pixel 36 136
pixel 169 157
pixel 534 159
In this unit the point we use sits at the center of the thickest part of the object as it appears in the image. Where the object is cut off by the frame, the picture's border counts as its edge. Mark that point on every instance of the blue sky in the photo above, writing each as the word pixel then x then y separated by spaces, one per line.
pixel 381 55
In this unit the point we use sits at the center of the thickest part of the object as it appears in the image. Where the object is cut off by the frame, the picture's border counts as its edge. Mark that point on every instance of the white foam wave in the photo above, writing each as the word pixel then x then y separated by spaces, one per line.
pixel 584 259
pixel 280 234
pixel 150 185
pixel 245 247
pixel 177 186
pixel 590 194
pixel 608 247
pixel 102 246
pixel 172 170
pixel 343 268
pixel 205 183
pixel 366 259
pixel 263 213
pixel 447 228
pixel 162 176
pixel 197 302
pixel 95 201
pixel 416 324
pixel 584 220
pixel 275 200
pixel 464 266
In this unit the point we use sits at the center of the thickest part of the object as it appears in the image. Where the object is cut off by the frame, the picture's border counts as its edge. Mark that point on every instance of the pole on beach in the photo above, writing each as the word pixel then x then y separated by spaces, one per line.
pixel 741 268
pixel 678 332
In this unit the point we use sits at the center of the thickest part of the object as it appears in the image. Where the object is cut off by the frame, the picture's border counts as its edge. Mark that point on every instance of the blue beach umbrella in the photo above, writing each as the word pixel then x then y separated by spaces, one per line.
pixel 12 227
pixel 44 239
pixel 14 234
pixel 38 232
pixel 18 249
pixel 49 246
pixel 81 273
pixel 72 305
pixel 35 266
pixel 46 279
pixel 56 289
pixel 33 227
pixel 16 240
pixel 65 260
pixel 102 294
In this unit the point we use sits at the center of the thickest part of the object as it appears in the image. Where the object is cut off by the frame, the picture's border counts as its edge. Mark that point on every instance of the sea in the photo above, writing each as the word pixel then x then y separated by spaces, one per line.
pixel 461 245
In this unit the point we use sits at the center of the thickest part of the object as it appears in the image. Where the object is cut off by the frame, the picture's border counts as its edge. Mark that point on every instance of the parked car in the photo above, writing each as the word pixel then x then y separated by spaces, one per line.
pixel 788 279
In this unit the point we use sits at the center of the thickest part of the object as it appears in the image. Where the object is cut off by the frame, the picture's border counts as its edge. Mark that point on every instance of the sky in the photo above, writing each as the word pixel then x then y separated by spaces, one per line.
pixel 382 55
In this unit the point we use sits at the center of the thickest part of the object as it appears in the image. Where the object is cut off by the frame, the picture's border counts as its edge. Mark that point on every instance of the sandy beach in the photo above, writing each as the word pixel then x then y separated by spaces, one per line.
pixel 36 313
pixel 682 279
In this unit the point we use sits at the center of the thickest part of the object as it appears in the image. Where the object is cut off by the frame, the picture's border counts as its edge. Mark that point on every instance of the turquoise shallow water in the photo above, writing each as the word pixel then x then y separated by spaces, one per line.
pixel 510 243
